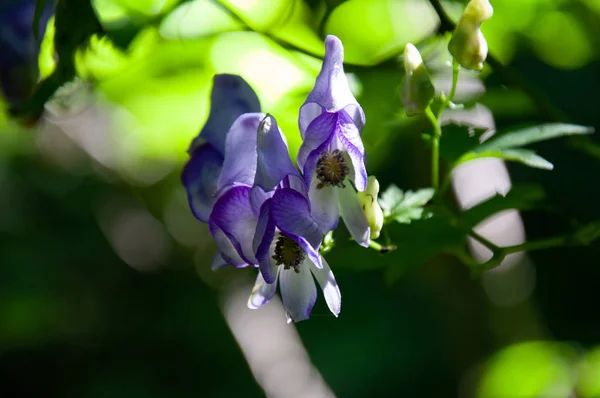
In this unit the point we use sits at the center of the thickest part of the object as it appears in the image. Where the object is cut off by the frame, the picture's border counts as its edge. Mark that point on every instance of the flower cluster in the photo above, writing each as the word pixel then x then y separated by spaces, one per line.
pixel 264 212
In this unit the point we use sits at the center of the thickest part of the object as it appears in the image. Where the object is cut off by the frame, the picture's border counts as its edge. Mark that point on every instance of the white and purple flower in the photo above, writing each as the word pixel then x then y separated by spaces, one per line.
pixel 332 153
pixel 260 209
pixel 286 244
pixel 267 222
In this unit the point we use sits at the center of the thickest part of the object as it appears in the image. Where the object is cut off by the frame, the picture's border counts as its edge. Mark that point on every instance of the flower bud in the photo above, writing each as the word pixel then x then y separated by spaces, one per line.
pixel 418 91
pixel 468 46
pixel 368 199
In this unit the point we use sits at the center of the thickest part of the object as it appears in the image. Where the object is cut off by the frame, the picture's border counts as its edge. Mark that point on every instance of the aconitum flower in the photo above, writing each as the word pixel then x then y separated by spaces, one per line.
pixel 256 162
pixel 233 217
pixel 332 153
pixel 286 244
pixel 231 96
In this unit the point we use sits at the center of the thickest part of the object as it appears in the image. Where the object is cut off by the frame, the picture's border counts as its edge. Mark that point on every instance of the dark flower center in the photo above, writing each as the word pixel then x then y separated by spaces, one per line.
pixel 332 169
pixel 288 253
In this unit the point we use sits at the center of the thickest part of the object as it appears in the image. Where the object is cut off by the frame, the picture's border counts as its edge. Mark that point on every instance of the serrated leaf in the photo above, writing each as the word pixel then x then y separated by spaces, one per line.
pixel 521 197
pixel 404 207
pixel 524 156
pixel 390 197
pixel 530 135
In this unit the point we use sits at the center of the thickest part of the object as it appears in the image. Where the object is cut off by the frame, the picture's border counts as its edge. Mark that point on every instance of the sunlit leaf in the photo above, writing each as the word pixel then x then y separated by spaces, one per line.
pixel 507 145
pixel 560 40
pixel 588 385
pixel 198 18
pixel 534 134
pixel 530 369
pixel 525 156
pixel 374 30
pixel 298 30
pixel 404 207
pixel 260 15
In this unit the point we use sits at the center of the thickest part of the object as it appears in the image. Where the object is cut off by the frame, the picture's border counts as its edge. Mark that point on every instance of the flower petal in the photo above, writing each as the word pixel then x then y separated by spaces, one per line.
pixel 199 176
pixel 311 252
pixel 273 162
pixel 296 183
pixel 264 243
pixel 291 213
pixel 226 249
pixel 331 91
pixel 230 97
pixel 353 214
pixel 239 166
pixel 298 292
pixel 330 288
pixel 324 206
pixel 319 134
pixel 348 137
pixel 257 198
pixel 262 293
pixel 233 214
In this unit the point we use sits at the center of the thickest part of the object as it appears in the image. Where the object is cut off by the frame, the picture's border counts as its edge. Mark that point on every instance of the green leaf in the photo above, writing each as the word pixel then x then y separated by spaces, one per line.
pixel 506 374
pixel 521 197
pixel 507 145
pixel 525 156
pixel 534 134
pixel 374 30
pixel 404 207
pixel 198 18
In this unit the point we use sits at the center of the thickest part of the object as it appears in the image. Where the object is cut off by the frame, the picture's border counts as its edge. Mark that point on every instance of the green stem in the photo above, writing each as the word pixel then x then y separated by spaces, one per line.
pixel 380 248
pixel 500 253
pixel 375 245
pixel 435 148
pixel 536 245
pixel 448 100
pixel 485 242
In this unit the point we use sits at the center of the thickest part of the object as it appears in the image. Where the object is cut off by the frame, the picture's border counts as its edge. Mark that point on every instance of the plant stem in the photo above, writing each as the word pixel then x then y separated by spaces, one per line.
pixel 536 245
pixel 450 97
pixel 381 249
pixel 435 148
pixel 485 242
pixel 375 245
pixel 581 237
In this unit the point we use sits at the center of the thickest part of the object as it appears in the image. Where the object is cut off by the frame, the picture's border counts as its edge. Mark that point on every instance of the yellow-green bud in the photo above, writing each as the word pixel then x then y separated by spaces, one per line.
pixel 371 207
pixel 417 91
pixel 468 46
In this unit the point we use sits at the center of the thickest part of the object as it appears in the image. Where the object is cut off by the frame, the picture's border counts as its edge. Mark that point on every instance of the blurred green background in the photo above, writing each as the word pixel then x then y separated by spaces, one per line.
pixel 105 286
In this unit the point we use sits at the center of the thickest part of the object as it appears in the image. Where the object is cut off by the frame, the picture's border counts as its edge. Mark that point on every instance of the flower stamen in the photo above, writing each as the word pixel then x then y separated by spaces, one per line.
pixel 288 253
pixel 332 169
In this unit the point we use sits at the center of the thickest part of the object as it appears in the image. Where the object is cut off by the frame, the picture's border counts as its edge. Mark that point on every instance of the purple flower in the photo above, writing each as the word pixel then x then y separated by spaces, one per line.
pixel 231 96
pixel 286 245
pixel 256 162
pixel 332 153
